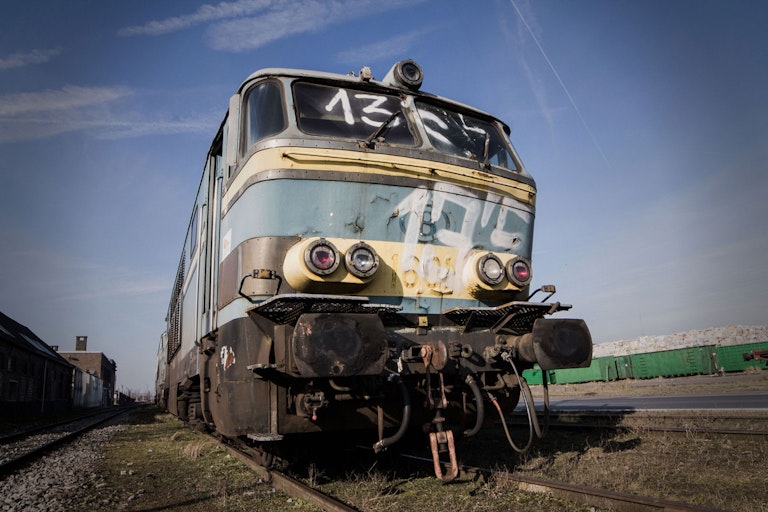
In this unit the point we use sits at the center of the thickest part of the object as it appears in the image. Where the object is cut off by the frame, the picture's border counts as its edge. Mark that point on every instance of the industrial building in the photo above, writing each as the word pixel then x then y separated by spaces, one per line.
pixel 34 378
pixel 94 383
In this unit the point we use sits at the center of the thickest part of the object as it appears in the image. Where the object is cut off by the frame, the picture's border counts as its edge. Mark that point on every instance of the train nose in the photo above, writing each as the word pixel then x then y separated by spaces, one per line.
pixel 339 345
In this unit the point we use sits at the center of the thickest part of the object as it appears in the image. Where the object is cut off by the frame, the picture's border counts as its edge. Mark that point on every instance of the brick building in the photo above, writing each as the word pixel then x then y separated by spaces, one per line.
pixel 95 364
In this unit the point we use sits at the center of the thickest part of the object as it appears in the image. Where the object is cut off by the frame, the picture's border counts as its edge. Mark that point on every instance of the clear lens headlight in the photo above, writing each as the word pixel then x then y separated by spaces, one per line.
pixel 519 271
pixel 321 257
pixel 361 260
pixel 490 269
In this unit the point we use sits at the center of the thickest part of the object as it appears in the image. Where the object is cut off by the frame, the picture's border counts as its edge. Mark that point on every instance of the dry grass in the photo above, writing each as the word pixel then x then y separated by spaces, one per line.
pixel 720 471
pixel 195 449
pixel 160 464
pixel 706 469
pixel 168 466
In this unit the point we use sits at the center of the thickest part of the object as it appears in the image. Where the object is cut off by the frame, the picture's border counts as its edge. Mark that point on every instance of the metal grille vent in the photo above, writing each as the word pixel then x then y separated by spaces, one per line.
pixel 286 309
pixel 512 318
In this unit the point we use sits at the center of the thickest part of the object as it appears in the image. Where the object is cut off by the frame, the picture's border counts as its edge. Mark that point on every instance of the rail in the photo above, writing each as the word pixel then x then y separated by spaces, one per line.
pixel 39 451
pixel 589 496
pixel 288 484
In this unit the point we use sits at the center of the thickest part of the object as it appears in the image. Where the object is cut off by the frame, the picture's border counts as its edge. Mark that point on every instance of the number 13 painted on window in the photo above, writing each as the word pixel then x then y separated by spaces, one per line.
pixel 372 106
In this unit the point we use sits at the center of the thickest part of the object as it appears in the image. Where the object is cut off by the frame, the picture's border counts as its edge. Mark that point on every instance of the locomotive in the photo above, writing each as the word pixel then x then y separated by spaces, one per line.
pixel 358 257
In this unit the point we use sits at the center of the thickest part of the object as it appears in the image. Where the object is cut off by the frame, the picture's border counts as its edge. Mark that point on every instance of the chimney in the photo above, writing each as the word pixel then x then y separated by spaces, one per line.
pixel 81 342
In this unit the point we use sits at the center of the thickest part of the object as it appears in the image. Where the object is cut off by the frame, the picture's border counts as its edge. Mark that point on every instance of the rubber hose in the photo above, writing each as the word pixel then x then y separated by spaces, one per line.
pixel 389 441
pixel 479 404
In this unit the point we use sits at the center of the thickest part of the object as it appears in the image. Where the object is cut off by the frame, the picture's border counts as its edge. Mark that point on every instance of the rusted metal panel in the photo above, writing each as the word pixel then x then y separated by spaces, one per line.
pixel 339 345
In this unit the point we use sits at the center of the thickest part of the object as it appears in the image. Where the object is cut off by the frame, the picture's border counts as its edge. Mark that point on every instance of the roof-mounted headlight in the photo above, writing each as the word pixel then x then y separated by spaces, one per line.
pixel 321 257
pixel 519 271
pixel 361 260
pixel 405 73
pixel 490 269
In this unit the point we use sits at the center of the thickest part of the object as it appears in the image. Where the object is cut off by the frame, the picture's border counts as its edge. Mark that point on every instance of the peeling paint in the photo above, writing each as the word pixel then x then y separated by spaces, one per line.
pixel 444 217
pixel 227 356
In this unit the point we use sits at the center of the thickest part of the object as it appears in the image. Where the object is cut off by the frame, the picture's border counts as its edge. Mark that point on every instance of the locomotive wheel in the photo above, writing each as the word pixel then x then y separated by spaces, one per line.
pixel 194 416
pixel 262 457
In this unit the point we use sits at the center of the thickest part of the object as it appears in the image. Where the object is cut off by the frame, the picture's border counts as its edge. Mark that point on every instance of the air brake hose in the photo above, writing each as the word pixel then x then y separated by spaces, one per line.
pixel 506 428
pixel 382 444
pixel 479 404
pixel 533 423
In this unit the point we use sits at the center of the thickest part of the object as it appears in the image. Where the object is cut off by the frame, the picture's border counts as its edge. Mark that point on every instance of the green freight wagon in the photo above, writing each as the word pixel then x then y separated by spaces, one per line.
pixel 601 369
pixel 623 366
pixel 731 358
pixel 674 363
pixel 534 376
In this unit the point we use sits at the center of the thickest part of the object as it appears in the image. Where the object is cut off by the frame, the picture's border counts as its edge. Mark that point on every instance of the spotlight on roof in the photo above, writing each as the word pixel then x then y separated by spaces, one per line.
pixel 405 73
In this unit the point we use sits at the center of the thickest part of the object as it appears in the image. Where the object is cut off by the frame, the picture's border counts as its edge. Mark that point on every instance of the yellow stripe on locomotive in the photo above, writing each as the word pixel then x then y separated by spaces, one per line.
pixel 320 265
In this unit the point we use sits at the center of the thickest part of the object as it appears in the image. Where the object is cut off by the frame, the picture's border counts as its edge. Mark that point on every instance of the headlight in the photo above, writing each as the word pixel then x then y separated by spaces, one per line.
pixel 490 269
pixel 321 257
pixel 405 73
pixel 361 260
pixel 519 271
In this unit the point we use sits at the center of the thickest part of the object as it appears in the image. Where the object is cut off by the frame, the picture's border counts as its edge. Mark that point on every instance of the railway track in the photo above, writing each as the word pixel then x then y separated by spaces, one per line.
pixel 689 423
pixel 589 496
pixel 21 434
pixel 22 448
pixel 288 484
pixel 585 495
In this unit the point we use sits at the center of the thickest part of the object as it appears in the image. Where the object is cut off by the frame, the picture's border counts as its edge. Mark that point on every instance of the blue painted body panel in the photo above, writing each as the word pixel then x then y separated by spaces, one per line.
pixel 444 215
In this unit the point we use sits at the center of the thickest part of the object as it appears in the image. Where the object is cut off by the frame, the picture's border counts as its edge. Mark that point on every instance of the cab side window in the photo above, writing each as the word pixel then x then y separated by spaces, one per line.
pixel 264 113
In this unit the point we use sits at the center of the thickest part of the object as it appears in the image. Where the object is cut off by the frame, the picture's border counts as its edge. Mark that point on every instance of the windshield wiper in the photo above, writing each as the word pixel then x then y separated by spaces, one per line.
pixel 486 144
pixel 370 141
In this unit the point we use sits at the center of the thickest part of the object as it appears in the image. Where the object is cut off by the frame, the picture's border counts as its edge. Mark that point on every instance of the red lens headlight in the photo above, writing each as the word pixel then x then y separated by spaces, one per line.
pixel 321 257
pixel 519 271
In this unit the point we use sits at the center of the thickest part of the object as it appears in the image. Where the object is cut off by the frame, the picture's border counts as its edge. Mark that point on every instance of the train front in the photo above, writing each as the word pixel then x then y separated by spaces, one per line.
pixel 375 263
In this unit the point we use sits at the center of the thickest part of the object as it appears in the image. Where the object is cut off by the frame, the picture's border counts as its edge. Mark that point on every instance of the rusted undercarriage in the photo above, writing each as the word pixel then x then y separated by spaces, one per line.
pixel 326 363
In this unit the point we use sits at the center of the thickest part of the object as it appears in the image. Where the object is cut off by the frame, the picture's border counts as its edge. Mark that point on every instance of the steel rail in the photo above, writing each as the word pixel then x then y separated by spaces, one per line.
pixel 15 436
pixel 612 421
pixel 11 465
pixel 649 428
pixel 289 485
pixel 589 496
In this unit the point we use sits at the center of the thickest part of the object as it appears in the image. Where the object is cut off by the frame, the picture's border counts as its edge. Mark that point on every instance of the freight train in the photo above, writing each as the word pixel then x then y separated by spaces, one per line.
pixel 358 257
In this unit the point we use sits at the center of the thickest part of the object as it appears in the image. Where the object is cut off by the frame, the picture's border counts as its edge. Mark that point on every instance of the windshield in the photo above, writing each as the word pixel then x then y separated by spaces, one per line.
pixel 349 113
pixel 462 135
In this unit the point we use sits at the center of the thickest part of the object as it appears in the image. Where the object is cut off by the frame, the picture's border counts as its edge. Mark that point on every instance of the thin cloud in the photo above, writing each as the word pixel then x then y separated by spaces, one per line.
pixel 30 58
pixel 122 130
pixel 204 14
pixel 68 97
pixel 250 24
pixel 381 50
pixel 76 278
pixel 289 18
pixel 38 115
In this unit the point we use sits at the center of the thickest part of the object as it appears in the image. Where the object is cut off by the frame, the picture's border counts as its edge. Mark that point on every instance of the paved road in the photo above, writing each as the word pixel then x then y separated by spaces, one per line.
pixel 742 400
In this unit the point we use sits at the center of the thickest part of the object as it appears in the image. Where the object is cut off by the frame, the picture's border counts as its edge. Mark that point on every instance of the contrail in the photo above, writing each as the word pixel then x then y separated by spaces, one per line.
pixel 562 84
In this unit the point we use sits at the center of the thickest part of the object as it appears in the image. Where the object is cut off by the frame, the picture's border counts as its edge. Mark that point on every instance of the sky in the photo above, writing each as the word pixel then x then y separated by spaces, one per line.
pixel 643 122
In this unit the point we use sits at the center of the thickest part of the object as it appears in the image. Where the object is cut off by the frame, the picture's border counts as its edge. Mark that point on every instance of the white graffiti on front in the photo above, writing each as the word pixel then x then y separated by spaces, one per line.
pixel 427 216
